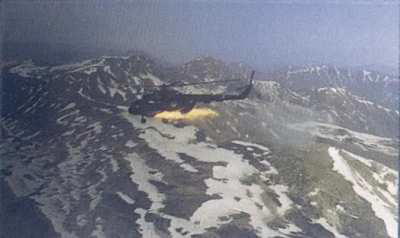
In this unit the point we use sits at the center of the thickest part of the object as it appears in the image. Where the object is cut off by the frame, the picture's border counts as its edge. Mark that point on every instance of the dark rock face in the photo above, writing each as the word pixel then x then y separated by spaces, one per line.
pixel 301 157
pixel 22 211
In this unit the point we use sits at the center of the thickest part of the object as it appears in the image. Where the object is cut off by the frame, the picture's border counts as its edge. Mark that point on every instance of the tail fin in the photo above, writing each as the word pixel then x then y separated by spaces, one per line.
pixel 248 88
pixel 252 74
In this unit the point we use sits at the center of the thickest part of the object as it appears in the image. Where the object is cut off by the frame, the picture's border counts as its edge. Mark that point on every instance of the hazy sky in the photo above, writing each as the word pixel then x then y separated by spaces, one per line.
pixel 257 32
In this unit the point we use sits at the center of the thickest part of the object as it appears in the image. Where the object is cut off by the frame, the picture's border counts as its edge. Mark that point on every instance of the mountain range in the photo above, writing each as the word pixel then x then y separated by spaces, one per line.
pixel 313 152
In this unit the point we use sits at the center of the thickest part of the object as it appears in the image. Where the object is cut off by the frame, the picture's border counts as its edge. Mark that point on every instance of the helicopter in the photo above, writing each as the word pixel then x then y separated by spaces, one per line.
pixel 168 99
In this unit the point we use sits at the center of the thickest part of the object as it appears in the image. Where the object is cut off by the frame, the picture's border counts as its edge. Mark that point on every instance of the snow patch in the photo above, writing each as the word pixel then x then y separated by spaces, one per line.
pixel 314 192
pixel 285 201
pixel 368 141
pixel 169 141
pixel 363 189
pixel 141 176
pixel 107 69
pixel 323 222
pixel 90 70
pixel 69 106
pixel 154 79
pixel 26 69
pixel 130 144
pixel 261 147
pixel 379 176
pixel 126 198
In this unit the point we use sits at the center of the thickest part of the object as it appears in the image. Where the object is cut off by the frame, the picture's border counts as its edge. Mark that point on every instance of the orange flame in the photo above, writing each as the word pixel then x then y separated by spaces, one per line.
pixel 194 114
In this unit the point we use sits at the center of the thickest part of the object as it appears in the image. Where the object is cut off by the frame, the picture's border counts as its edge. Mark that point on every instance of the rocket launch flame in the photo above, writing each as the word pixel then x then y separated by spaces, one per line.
pixel 194 114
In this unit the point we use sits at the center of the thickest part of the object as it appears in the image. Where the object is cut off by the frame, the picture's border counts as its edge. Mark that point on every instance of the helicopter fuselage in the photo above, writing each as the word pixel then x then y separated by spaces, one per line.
pixel 152 104
pixel 171 100
pixel 167 99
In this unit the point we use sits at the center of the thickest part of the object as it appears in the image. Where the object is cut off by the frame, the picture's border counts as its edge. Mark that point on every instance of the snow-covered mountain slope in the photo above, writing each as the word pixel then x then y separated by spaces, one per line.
pixel 377 87
pixel 344 108
pixel 267 166
pixel 378 187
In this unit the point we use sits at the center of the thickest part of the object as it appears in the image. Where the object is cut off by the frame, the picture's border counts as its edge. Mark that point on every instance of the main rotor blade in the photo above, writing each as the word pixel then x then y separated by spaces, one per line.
pixel 190 84
pixel 210 82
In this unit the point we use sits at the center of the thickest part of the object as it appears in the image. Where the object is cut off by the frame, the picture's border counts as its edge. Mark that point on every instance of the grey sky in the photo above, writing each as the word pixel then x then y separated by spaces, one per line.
pixel 257 32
